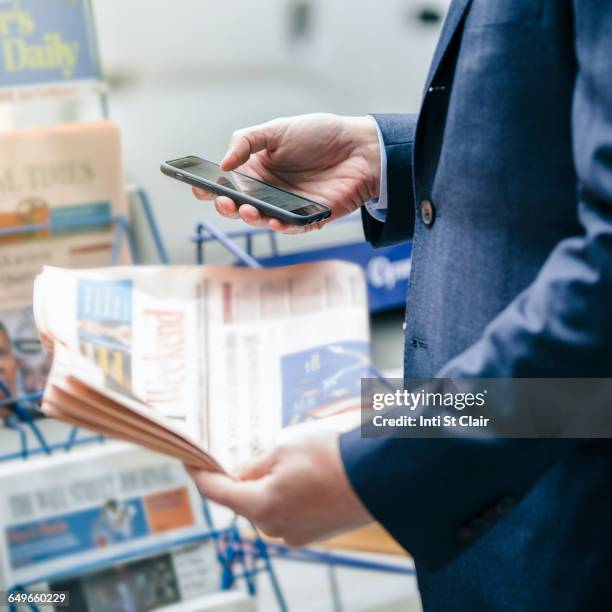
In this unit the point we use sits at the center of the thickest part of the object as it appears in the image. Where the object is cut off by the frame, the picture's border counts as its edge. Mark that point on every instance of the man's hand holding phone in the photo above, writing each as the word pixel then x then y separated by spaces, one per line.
pixel 323 157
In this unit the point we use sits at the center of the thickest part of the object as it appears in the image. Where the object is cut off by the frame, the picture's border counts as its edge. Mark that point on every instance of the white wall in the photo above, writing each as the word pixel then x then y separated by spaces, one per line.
pixel 185 74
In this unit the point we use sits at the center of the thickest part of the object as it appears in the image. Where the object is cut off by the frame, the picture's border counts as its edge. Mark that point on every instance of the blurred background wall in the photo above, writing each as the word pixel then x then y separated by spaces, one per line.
pixel 185 74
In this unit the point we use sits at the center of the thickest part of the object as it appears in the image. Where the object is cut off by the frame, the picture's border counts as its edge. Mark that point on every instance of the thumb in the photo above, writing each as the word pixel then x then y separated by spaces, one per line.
pixel 241 497
pixel 247 142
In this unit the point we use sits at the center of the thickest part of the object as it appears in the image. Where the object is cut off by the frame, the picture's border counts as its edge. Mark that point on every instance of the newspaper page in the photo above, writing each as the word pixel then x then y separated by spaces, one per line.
pixel 229 356
pixel 63 513
pixel 138 332
pixel 286 346
pixel 57 176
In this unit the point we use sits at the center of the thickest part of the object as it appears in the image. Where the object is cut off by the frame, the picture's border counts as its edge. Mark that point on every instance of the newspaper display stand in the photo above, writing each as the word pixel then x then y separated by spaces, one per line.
pixel 241 558
pixel 75 19
pixel 235 561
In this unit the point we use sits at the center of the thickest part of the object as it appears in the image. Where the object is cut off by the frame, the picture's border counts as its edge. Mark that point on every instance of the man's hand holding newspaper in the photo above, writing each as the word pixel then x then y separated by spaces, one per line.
pixel 298 492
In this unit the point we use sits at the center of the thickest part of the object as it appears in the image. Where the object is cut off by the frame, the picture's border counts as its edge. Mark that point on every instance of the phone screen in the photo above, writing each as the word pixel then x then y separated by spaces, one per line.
pixel 248 186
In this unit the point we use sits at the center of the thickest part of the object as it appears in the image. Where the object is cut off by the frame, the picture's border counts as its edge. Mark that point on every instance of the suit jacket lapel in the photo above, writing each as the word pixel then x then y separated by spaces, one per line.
pixel 455 13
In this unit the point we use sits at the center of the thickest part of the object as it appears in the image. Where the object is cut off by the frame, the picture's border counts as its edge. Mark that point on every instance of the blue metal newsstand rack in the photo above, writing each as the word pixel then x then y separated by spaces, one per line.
pixel 387 269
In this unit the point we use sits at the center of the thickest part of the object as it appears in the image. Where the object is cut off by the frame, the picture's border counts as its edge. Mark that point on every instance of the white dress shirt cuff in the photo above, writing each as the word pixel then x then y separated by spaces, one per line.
pixel 378 207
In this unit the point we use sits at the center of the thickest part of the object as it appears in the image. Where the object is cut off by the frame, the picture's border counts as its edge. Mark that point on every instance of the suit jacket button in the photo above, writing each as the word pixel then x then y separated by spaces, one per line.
pixel 466 534
pixel 428 213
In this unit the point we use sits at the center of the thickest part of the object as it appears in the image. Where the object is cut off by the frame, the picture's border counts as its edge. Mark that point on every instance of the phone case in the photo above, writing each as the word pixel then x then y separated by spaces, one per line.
pixel 241 198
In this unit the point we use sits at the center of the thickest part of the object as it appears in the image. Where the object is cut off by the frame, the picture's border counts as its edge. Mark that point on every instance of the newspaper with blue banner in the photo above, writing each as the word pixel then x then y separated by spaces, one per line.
pixel 81 512
pixel 47 49
pixel 206 364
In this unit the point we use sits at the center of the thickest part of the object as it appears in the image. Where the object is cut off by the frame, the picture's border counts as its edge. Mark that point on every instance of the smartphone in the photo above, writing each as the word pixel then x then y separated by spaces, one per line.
pixel 269 200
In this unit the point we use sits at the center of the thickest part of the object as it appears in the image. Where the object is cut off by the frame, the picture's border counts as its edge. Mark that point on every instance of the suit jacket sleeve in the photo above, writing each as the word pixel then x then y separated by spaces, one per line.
pixel 559 326
pixel 398 136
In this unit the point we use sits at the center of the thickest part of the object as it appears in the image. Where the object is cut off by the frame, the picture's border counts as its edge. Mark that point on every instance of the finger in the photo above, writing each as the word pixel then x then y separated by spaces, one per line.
pixel 277 225
pixel 286 228
pixel 49 410
pixel 203 194
pixel 257 469
pixel 242 497
pixel 245 143
pixel 249 214
pixel 227 207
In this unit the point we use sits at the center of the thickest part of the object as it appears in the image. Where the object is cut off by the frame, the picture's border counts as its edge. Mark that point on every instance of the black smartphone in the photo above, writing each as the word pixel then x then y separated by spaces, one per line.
pixel 243 189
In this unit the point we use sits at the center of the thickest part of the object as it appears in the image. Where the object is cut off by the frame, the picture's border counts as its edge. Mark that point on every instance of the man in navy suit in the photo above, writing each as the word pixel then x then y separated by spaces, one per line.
pixel 504 183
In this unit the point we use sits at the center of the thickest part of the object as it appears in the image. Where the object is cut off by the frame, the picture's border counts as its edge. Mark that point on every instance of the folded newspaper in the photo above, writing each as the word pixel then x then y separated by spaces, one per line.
pixel 205 364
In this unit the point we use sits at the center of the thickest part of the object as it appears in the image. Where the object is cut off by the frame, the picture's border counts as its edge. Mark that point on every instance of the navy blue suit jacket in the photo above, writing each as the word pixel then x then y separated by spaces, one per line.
pixel 513 148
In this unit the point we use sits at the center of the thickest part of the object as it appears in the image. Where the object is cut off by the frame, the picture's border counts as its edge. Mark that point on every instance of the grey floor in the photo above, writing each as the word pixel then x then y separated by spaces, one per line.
pixel 307 587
